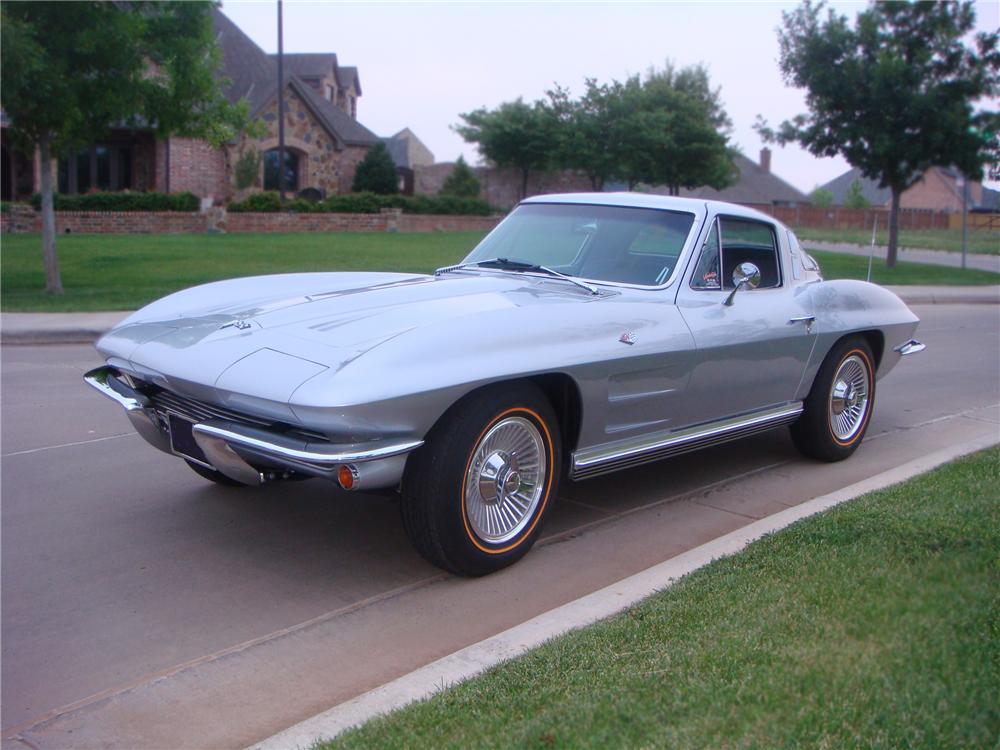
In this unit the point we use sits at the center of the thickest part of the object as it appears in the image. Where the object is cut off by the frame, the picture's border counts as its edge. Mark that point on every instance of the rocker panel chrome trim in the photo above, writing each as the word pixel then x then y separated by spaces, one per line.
pixel 605 459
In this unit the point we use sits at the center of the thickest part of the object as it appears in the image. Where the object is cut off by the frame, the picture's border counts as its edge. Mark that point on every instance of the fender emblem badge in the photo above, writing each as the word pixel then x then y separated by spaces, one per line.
pixel 627 338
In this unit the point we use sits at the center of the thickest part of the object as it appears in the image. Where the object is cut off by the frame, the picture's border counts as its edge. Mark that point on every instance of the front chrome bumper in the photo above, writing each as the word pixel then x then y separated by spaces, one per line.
pixel 246 453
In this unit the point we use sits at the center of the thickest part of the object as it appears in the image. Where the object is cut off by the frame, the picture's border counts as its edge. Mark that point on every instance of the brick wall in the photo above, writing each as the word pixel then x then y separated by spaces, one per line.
pixel 197 167
pixel 388 220
pixel 26 219
pixel 501 187
pixel 23 218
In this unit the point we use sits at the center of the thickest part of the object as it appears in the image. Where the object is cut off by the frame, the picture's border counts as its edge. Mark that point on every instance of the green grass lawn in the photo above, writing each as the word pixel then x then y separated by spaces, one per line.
pixel 123 272
pixel 980 241
pixel 873 625
pixel 842 266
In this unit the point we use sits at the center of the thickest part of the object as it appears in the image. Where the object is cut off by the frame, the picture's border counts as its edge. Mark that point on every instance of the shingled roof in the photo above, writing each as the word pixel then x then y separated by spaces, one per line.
pixel 755 185
pixel 254 74
pixel 841 186
pixel 309 64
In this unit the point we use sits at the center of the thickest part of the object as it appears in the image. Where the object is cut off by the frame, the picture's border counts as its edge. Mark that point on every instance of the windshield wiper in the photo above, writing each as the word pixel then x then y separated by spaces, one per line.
pixel 520 266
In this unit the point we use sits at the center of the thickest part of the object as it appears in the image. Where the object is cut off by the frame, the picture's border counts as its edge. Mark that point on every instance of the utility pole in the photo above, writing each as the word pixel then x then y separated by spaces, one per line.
pixel 965 217
pixel 281 108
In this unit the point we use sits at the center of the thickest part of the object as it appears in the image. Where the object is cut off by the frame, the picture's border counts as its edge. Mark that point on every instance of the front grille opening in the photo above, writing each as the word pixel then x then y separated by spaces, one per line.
pixel 167 402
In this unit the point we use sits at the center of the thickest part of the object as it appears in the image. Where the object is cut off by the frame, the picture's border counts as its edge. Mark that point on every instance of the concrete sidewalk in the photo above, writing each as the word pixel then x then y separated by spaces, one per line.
pixel 83 328
pixel 976 261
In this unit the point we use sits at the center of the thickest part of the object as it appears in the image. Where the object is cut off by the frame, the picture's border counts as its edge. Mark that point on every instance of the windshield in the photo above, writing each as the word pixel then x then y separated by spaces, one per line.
pixel 600 243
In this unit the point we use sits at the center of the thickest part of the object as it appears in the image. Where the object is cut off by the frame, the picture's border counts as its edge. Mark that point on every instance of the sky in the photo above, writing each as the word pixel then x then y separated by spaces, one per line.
pixel 421 64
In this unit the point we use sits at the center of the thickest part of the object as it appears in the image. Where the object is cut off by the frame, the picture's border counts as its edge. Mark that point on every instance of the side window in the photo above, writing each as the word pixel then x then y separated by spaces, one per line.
pixel 749 241
pixel 706 273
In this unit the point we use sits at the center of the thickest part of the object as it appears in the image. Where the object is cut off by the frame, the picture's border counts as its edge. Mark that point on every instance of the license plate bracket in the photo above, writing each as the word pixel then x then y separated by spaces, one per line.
pixel 182 440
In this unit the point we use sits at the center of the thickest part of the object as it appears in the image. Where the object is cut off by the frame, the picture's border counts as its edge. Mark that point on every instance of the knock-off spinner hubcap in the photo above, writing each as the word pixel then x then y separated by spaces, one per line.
pixel 505 480
pixel 849 398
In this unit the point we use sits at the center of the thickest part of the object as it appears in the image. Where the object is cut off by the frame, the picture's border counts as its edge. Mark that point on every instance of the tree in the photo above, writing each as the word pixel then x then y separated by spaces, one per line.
pixel 855 197
pixel 667 129
pixel 376 173
pixel 461 182
pixel 71 71
pixel 590 130
pixel 694 149
pixel 515 134
pixel 821 197
pixel 895 94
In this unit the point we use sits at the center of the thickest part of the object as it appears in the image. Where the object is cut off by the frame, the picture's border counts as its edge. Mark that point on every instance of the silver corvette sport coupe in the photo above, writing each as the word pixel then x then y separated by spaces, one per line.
pixel 586 334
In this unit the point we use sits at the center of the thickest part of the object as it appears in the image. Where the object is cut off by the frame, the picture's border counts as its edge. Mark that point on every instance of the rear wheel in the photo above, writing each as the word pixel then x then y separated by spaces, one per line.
pixel 475 495
pixel 840 403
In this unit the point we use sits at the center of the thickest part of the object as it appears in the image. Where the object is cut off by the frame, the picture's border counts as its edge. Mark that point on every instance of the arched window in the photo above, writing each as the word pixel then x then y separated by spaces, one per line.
pixel 271 170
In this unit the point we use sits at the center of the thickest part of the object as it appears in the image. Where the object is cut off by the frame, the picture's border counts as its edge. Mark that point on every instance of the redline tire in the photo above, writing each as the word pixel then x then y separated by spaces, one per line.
pixel 840 403
pixel 476 494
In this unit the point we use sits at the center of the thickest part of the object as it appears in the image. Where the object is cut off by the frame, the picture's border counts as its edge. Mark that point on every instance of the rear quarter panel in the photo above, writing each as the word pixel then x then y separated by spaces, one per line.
pixel 843 307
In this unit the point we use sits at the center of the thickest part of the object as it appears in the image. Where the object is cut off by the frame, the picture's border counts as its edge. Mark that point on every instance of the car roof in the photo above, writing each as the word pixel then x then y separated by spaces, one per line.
pixel 646 200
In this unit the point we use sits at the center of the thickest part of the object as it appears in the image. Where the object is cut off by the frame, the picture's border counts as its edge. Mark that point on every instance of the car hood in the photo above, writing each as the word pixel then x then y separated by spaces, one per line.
pixel 238 334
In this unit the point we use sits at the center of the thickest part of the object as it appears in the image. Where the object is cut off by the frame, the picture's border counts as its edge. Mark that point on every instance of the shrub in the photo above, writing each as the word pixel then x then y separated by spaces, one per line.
pixel 264 202
pixel 821 198
pixel 355 203
pixel 462 181
pixel 376 173
pixel 855 198
pixel 247 169
pixel 122 202
pixel 449 204
pixel 367 203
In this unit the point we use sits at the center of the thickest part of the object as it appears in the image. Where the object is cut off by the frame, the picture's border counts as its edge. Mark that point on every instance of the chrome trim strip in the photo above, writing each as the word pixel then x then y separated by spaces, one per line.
pixel 603 459
pixel 104 380
pixel 910 347
pixel 137 407
pixel 280 447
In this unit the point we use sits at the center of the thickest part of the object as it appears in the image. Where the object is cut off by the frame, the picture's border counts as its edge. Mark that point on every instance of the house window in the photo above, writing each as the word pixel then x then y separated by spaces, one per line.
pixel 101 166
pixel 271 170
pixel 331 93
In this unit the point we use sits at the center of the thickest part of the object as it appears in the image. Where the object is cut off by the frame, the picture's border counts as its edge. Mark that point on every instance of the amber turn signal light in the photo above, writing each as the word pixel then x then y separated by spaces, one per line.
pixel 347 476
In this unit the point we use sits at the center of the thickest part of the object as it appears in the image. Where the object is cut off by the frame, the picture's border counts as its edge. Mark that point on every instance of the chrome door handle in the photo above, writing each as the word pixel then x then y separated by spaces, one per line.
pixel 808 319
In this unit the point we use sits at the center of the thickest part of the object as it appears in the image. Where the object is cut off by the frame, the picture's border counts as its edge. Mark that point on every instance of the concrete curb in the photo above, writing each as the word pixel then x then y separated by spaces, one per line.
pixel 57 328
pixel 472 660
pixel 947 295
pixel 85 328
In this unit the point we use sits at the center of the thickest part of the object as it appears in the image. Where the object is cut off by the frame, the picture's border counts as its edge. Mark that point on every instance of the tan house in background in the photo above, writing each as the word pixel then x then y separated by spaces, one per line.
pixel 937 190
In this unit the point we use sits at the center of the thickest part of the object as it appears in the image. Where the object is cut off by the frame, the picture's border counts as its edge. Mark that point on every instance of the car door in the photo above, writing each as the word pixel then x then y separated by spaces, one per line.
pixel 752 345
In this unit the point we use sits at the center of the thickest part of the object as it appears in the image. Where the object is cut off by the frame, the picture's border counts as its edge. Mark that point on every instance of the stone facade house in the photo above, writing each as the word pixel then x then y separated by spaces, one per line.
pixel 323 139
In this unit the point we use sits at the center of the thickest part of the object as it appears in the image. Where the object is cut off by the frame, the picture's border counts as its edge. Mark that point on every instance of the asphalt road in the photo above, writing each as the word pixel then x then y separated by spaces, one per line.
pixel 143 607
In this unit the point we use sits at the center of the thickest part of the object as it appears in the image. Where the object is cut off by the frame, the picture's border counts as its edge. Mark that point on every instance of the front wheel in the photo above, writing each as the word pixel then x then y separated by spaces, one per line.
pixel 475 495
pixel 840 403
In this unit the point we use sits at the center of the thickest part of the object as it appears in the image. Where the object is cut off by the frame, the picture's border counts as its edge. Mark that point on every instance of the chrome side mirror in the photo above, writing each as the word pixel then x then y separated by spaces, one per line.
pixel 745 274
